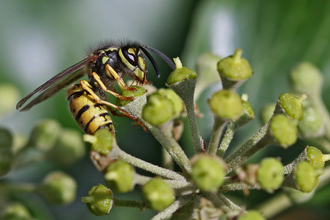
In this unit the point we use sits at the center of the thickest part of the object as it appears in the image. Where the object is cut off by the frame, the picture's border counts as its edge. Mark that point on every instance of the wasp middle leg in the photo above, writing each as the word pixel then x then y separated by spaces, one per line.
pixel 86 86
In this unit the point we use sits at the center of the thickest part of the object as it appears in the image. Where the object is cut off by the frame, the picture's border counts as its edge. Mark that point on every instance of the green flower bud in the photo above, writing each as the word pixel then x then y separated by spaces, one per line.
pixel 316 157
pixel 158 110
pixel 283 130
pixel 306 177
pixel 174 98
pixel 99 200
pixel 15 211
pixel 68 149
pixel 248 108
pixel 226 104
pixel 270 174
pixel 267 112
pixel 311 125
pixel 130 93
pixel 58 188
pixel 234 70
pixel 102 141
pixel 6 138
pixel 45 134
pixel 180 73
pixel 158 194
pixel 120 176
pixel 251 215
pixel 6 160
pixel 6 154
pixel 306 78
pixel 292 106
pixel 9 96
pixel 207 172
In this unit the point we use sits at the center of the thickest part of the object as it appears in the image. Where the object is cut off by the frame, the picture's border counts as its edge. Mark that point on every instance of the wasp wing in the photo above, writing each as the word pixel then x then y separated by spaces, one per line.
pixel 55 84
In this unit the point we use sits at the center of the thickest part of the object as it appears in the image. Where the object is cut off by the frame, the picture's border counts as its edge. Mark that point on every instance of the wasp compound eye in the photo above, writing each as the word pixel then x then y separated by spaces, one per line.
pixel 130 55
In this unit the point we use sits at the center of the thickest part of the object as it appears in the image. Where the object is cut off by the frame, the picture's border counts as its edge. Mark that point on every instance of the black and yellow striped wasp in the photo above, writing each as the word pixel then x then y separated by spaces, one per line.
pixel 104 66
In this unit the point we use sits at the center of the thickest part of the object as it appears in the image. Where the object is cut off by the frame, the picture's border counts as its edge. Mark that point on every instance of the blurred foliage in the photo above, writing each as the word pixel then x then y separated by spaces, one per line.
pixel 40 38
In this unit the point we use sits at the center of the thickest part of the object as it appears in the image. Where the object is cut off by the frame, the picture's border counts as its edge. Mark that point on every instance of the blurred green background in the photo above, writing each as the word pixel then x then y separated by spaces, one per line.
pixel 38 39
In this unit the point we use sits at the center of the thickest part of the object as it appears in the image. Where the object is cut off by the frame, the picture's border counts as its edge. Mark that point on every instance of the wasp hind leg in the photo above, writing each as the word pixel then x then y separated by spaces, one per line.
pixel 86 86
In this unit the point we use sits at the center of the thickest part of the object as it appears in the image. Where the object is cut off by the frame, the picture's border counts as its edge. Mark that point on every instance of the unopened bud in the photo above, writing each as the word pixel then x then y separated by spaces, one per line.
pixel 158 110
pixel 283 130
pixel 270 174
pixel 131 93
pixel 208 171
pixel 158 194
pixel 102 141
pixel 292 105
pixel 226 104
pixel 120 176
pixel 99 200
pixel 45 134
pixel 234 70
pixel 58 188
pixel 180 73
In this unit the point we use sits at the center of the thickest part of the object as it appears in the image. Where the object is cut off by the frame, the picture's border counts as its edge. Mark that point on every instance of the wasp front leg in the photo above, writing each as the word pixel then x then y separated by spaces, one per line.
pixel 114 75
pixel 105 89
pixel 86 86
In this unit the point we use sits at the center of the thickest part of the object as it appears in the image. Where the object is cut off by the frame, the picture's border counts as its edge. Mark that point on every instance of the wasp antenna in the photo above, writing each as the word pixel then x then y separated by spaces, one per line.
pixel 160 54
pixel 152 61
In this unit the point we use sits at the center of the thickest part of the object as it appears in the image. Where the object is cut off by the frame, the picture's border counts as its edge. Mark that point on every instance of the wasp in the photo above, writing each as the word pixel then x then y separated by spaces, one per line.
pixel 104 66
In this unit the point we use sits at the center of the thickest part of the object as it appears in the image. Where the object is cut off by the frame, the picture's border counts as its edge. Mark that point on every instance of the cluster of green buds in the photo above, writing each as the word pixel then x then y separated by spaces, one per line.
pixel 208 174
pixel 57 188
pixel 63 146
pixel 48 143
pixel 198 190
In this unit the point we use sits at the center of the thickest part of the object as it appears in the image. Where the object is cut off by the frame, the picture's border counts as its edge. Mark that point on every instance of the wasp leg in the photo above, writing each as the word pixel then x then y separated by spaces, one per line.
pixel 115 76
pixel 114 113
pixel 104 88
pixel 86 86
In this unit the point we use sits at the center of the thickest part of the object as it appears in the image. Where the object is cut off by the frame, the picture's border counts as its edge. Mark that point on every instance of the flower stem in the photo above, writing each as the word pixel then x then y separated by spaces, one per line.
pixel 181 201
pixel 196 138
pixel 25 187
pixel 175 184
pixel 186 90
pixel 238 186
pixel 175 150
pixel 230 131
pixel 229 203
pixel 146 166
pixel 167 141
pixel 130 203
pixel 275 205
pixel 167 160
pixel 254 144
pixel 289 167
pixel 217 131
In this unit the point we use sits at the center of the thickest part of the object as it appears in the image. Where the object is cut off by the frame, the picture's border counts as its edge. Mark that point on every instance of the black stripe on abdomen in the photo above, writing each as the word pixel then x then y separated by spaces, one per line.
pixel 81 111
pixel 107 125
pixel 76 95
pixel 87 125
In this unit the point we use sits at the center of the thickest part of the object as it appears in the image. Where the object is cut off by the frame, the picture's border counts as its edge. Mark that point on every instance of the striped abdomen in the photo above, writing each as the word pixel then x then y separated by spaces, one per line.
pixel 90 116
